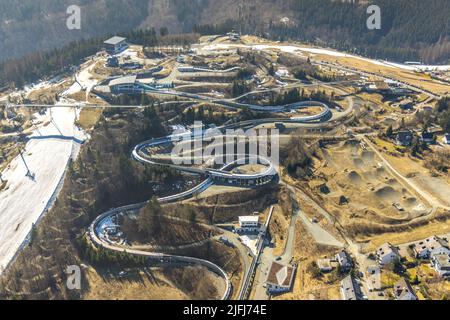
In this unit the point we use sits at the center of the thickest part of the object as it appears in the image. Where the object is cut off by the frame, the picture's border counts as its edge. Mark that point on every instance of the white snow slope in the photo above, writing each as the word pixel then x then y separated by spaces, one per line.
pixel 25 199
pixel 47 153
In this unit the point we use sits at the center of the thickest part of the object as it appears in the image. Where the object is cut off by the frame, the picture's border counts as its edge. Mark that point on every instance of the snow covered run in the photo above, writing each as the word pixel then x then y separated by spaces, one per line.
pixel 26 198
pixel 29 194
pixel 329 52
pixel 84 81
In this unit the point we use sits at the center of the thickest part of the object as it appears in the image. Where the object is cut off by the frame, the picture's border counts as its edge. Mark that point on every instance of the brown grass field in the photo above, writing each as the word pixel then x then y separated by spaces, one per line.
pixel 417 79
pixel 136 286
pixel 89 117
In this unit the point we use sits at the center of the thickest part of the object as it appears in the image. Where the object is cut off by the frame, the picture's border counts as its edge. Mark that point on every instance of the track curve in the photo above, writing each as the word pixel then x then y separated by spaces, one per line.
pixel 267 175
pixel 234 105
pixel 99 241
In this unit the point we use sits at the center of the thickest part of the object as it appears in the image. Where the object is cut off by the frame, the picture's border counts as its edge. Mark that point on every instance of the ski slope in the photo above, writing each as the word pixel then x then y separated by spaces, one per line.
pixel 26 198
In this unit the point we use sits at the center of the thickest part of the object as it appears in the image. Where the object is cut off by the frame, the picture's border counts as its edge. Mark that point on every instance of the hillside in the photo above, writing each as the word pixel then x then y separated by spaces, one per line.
pixel 411 29
pixel 31 25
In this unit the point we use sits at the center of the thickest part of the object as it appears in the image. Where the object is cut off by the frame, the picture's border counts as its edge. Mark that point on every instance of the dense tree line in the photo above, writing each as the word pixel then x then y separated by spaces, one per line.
pixel 33 67
pixel 239 88
pixel 105 258
pixel 18 72
pixel 151 38
pixel 410 29
pixel 296 95
pixel 149 219
pixel 215 29
pixel 443 114
pixel 206 115
pixel 188 12
pixel 38 25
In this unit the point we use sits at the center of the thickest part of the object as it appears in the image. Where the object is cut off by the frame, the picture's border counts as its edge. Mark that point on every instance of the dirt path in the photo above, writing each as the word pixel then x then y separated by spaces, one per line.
pixel 410 183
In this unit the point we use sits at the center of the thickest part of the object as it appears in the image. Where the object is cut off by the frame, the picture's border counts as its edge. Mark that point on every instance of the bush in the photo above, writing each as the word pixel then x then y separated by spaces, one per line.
pixel 314 270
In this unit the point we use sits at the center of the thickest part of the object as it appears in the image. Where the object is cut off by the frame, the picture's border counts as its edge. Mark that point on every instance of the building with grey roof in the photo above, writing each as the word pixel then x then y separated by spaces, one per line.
pixel 404 138
pixel 350 289
pixel 115 45
pixel 441 263
pixel 126 85
pixel 425 249
pixel 344 260
pixel 280 278
pixel 386 254
pixel 403 290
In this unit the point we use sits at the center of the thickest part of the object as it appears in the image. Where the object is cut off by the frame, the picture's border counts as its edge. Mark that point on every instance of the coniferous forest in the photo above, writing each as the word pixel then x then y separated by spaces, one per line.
pixel 39 45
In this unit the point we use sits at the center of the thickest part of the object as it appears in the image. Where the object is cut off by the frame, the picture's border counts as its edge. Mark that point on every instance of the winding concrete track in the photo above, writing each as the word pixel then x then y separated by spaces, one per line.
pixel 139 155
pixel 187 69
pixel 267 176
pixel 103 243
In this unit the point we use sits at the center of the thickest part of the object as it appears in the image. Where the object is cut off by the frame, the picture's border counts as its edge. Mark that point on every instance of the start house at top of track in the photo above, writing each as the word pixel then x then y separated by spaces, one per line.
pixel 115 45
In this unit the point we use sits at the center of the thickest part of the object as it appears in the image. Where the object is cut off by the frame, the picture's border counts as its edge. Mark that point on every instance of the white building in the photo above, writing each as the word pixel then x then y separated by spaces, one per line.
pixel 280 278
pixel 344 260
pixel 233 36
pixel 324 265
pixel 429 247
pixel 285 20
pixel 249 222
pixel 387 254
pixel 282 73
pixel 441 263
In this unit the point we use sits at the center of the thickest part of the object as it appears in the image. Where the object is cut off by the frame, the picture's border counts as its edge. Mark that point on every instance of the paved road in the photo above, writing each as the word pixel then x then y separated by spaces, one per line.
pixel 265 262
pixel 267 256
pixel 320 235
pixel 246 288
pixel 288 252
pixel 244 252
